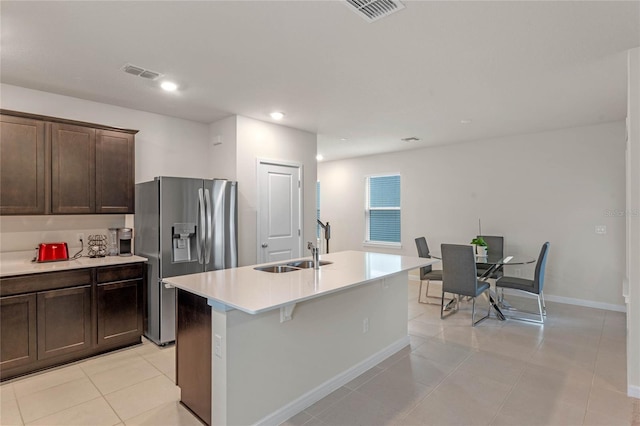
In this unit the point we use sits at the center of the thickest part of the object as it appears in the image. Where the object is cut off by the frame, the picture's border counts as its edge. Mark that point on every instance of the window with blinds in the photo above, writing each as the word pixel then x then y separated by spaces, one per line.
pixel 383 209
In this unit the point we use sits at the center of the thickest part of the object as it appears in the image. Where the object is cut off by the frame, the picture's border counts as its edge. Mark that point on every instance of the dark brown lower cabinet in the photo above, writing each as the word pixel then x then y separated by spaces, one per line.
pixel 53 318
pixel 119 311
pixel 64 321
pixel 193 354
pixel 17 331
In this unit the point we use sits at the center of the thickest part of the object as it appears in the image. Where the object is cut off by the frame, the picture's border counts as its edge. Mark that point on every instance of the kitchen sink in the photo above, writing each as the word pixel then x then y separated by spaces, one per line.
pixel 304 264
pixel 289 267
pixel 276 269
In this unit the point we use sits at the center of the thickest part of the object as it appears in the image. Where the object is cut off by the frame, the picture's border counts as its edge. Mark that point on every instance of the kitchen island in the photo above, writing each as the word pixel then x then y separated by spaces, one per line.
pixel 271 344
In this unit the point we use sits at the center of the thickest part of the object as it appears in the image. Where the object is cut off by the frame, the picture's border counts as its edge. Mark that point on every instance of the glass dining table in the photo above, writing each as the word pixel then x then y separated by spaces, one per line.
pixel 490 265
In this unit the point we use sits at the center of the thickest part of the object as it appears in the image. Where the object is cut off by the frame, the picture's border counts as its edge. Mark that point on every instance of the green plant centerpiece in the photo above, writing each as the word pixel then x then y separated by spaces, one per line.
pixel 479 241
pixel 481 246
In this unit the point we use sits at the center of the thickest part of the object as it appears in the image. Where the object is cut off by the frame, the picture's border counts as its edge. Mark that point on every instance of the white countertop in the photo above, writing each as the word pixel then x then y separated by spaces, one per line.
pixel 19 263
pixel 253 291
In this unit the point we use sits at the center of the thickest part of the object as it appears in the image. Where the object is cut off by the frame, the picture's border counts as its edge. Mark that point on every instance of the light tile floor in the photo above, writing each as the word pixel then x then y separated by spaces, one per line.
pixel 571 371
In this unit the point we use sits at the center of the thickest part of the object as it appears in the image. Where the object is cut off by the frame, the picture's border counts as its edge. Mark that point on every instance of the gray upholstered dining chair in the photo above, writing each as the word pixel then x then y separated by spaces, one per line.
pixel 459 276
pixel 534 286
pixel 495 250
pixel 426 272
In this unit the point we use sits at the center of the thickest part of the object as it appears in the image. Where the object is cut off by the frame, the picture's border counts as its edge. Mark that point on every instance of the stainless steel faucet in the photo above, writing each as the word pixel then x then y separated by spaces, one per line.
pixel 315 253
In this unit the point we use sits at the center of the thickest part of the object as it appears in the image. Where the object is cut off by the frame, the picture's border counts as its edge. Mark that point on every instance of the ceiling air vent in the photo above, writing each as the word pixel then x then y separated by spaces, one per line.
pixel 372 10
pixel 141 72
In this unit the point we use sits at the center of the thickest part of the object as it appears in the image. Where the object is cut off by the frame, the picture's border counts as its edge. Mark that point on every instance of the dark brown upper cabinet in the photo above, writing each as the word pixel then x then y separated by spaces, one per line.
pixel 115 169
pixel 24 168
pixel 52 165
pixel 73 169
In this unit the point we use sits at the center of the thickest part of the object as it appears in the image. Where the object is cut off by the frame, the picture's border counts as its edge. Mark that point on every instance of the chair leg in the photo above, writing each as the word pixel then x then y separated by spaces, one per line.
pixel 443 307
pixel 426 295
pixel 544 307
pixel 489 310
pixel 513 312
pixel 540 308
pixel 473 313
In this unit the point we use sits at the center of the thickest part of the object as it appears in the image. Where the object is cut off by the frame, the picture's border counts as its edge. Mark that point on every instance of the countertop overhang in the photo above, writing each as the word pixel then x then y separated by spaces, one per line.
pixel 19 263
pixel 254 292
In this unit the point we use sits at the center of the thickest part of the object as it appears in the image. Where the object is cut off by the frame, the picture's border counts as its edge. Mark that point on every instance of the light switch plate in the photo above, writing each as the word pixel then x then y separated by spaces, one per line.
pixel 217 345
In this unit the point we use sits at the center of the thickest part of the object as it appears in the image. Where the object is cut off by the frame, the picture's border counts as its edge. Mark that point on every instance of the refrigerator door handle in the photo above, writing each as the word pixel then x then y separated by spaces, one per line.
pixel 233 232
pixel 209 231
pixel 201 229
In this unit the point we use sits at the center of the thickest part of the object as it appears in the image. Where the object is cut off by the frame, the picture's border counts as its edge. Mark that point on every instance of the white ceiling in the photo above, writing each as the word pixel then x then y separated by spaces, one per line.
pixel 511 67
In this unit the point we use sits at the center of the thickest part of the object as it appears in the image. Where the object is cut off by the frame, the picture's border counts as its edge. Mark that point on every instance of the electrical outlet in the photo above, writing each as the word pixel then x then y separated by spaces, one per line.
pixel 365 325
pixel 601 229
pixel 80 237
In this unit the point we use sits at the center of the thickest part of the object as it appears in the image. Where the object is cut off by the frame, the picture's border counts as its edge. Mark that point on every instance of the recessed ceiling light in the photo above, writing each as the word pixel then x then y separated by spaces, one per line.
pixel 343 139
pixel 319 157
pixel 169 86
pixel 277 115
pixel 466 121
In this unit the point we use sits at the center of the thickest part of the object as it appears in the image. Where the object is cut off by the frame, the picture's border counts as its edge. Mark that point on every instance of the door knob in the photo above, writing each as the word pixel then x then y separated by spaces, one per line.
pixel 265 245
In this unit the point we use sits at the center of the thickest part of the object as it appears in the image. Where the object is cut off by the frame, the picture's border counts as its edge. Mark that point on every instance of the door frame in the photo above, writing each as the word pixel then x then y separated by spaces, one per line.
pixel 294 164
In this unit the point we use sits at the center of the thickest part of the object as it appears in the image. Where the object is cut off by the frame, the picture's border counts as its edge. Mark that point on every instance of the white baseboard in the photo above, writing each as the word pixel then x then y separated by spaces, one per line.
pixel 633 391
pixel 587 303
pixel 571 301
pixel 561 299
pixel 315 395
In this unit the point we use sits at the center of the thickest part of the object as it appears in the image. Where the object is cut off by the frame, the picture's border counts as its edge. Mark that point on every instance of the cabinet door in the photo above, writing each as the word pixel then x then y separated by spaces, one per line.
pixel 64 321
pixel 17 331
pixel 73 158
pixel 119 311
pixel 23 169
pixel 115 169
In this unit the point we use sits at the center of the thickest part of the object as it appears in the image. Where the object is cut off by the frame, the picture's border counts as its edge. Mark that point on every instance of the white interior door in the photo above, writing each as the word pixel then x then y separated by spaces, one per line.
pixel 279 232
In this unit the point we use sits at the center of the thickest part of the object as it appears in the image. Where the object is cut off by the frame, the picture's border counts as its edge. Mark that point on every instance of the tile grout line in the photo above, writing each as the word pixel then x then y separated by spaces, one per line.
pixel 105 399
pixel 506 397
pixel 593 373
pixel 103 395
pixel 17 404
pixel 127 387
pixel 469 355
pixel 59 411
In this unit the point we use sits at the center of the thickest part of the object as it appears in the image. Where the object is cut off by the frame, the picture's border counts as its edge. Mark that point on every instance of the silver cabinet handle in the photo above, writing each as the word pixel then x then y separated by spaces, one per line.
pixel 265 245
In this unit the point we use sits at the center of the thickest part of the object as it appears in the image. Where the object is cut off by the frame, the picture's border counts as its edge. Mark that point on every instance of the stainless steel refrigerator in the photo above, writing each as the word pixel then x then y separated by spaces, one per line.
pixel 183 226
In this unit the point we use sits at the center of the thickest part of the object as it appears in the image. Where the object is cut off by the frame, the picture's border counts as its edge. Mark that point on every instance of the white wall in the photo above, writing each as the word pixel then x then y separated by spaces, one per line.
pixel 553 186
pixel 224 152
pixel 261 140
pixel 633 226
pixel 168 146
pixel 164 146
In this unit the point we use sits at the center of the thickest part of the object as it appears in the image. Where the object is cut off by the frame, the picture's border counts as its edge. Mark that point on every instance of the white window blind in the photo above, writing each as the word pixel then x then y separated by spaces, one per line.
pixel 383 209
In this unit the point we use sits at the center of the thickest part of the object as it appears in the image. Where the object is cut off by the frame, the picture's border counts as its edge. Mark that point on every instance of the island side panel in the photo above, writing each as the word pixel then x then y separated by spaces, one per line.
pixel 270 364
pixel 193 353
